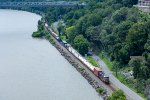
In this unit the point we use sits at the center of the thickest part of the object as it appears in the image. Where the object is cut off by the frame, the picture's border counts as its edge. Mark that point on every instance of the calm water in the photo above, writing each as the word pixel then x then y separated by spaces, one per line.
pixel 32 69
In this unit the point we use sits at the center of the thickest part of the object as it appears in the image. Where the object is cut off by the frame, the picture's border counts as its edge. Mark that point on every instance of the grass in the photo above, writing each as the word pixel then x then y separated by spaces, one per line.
pixel 129 83
pixel 51 40
pixel 101 90
pixel 63 38
pixel 106 60
pixel 93 61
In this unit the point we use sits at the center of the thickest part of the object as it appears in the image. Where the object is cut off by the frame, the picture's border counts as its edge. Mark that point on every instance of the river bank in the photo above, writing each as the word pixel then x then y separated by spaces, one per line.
pixel 90 80
pixel 95 82
pixel 29 67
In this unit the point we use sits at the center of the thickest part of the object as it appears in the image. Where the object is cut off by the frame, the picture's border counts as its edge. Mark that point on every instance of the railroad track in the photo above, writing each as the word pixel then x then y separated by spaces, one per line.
pixel 110 88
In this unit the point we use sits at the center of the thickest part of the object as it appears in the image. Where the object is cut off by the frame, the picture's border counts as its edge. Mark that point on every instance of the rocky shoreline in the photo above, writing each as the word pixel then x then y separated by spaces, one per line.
pixel 81 70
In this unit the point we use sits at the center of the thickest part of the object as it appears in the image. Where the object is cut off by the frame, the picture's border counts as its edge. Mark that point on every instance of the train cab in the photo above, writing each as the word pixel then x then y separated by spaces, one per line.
pixel 104 77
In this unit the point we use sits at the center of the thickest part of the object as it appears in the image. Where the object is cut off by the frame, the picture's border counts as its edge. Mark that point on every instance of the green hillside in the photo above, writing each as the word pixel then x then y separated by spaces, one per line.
pixel 114 27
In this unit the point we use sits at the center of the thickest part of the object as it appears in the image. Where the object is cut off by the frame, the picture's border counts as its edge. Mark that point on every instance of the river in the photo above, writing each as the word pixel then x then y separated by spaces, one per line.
pixel 32 69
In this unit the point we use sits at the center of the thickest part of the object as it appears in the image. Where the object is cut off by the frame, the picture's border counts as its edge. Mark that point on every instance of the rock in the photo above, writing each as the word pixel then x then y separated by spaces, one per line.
pixel 86 75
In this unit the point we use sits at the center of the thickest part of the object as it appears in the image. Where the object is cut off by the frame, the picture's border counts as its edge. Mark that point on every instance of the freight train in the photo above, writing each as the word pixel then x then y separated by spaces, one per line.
pixel 97 71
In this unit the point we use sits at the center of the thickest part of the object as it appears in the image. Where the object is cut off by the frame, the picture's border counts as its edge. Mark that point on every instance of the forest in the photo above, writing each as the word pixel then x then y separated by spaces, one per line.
pixel 114 28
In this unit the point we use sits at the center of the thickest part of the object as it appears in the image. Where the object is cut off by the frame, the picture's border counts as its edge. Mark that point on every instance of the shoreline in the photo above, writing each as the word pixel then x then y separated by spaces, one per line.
pixel 59 47
pixel 94 81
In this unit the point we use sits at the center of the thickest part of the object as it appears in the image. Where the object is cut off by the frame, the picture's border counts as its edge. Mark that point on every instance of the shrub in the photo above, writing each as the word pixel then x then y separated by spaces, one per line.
pixel 117 95
pixel 100 90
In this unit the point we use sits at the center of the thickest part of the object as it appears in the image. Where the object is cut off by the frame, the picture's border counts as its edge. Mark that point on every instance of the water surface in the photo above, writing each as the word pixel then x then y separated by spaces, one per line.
pixel 32 69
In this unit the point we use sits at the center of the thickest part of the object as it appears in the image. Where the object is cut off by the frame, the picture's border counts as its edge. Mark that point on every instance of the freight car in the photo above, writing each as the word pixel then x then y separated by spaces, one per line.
pixel 97 71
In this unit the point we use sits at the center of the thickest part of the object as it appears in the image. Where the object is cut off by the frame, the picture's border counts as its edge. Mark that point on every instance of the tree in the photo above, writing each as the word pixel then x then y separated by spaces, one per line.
pixel 81 44
pixel 134 15
pixel 122 29
pixel 140 85
pixel 117 95
pixel 92 34
pixel 147 45
pixel 115 67
pixel 129 2
pixel 94 19
pixel 136 67
pixel 147 89
pixel 123 54
pixel 140 70
pixel 60 27
pixel 81 25
pixel 145 71
pixel 148 59
pixel 71 33
pixel 120 15
pixel 116 51
pixel 136 38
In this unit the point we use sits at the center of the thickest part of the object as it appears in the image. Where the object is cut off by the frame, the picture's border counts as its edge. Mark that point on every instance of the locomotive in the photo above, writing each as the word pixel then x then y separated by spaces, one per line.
pixel 101 75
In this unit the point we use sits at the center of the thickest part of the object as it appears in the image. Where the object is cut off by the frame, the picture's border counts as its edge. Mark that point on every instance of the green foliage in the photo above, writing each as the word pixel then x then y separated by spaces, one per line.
pixel 63 38
pixel 93 61
pixel 129 2
pixel 92 34
pixel 147 92
pixel 116 66
pixel 47 36
pixel 71 33
pixel 117 95
pixel 60 28
pixel 40 32
pixel 81 44
pixel 81 69
pixel 73 15
pixel 147 45
pixel 51 40
pixel 55 13
pixel 120 15
pixel 112 26
pixel 148 59
pixel 106 60
pixel 136 38
pixel 141 71
pixel 37 34
pixel 100 90
pixel 122 29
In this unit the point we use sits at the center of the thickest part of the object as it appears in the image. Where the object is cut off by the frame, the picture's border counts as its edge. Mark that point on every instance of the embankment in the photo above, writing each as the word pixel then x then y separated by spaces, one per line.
pixel 95 82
